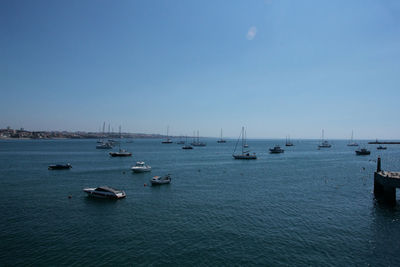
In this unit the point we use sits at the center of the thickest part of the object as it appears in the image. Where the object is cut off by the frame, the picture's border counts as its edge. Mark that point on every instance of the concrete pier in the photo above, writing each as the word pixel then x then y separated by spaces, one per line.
pixel 385 184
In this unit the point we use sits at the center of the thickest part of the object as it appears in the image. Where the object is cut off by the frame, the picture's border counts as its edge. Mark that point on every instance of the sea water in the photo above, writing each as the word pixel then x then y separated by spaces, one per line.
pixel 303 207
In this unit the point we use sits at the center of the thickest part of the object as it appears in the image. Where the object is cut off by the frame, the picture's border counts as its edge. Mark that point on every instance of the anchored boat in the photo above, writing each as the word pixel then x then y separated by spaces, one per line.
pixel 60 167
pixel 141 167
pixel 362 152
pixel 245 153
pixel 159 180
pixel 105 192
pixel 276 150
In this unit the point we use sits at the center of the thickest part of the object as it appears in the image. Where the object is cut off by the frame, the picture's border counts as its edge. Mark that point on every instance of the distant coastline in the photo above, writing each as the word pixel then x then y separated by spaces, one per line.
pixel 22 134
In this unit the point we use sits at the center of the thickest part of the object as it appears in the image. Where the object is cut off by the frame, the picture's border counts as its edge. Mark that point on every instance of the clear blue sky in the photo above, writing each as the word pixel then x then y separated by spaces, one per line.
pixel 277 67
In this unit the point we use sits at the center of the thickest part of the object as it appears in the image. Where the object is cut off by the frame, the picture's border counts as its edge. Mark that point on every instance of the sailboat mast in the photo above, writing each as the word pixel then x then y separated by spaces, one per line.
pixel 242 138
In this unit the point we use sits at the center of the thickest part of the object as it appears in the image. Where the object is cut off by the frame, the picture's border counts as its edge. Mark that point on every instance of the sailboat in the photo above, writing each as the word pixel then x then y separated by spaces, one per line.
pixel 221 140
pixel 187 146
pixel 103 144
pixel 324 143
pixel 197 142
pixel 168 140
pixel 351 142
pixel 121 152
pixel 245 139
pixel 288 143
pixel 180 142
pixel 244 154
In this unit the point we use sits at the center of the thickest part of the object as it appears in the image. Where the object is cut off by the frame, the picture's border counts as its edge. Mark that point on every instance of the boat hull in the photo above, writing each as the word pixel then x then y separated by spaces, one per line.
pixel 244 156
pixel 60 167
pixel 116 154
pixel 104 195
pixel 140 170
pixel 359 153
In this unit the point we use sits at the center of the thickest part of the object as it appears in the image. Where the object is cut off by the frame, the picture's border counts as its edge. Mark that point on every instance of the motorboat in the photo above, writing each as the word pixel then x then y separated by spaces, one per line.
pixel 140 167
pixel 60 167
pixel 158 180
pixel 363 151
pixel 381 147
pixel 276 150
pixel 245 153
pixel 121 153
pixel 104 145
pixel 105 192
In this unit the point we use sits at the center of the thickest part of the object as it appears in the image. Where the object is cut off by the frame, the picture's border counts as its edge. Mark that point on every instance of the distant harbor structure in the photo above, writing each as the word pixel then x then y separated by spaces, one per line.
pixel 376 142
pixel 385 184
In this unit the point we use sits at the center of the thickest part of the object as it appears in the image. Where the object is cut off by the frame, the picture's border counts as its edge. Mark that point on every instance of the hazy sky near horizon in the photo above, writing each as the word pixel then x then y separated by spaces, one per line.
pixel 277 67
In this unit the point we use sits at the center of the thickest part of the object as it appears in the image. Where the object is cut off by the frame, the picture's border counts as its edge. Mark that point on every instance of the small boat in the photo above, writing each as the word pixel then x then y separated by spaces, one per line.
pixel 288 143
pixel 221 140
pixel 60 167
pixel 324 143
pixel 187 146
pixel 197 142
pixel 245 154
pixel 158 180
pixel 276 150
pixel 141 167
pixel 104 145
pixel 167 140
pixel 180 142
pixel 105 192
pixel 381 147
pixel 351 142
pixel 363 151
pixel 121 153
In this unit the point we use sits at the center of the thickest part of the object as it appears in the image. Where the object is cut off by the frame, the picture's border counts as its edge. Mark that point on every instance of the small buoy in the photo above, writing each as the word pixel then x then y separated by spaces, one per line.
pixel 69 196
pixel 145 185
pixel 123 172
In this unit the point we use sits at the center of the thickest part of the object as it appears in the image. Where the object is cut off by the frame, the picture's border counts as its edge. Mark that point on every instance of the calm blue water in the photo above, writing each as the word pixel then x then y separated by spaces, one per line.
pixel 303 207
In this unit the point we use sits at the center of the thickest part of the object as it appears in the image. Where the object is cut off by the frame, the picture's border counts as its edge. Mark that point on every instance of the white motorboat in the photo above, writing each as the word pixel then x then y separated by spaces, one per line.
pixel 141 167
pixel 105 192
pixel 158 180
pixel 276 150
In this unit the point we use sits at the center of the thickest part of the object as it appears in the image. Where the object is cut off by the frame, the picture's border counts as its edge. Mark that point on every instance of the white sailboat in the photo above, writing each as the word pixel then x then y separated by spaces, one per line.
pixel 197 142
pixel 351 142
pixel 168 140
pixel 245 154
pixel 324 143
pixel 221 140
pixel 245 139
